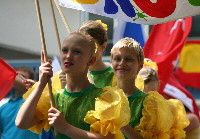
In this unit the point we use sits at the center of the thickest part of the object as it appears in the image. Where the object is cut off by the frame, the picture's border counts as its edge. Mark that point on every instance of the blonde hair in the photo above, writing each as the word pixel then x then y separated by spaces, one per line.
pixel 85 38
pixel 148 74
pixel 96 30
pixel 130 43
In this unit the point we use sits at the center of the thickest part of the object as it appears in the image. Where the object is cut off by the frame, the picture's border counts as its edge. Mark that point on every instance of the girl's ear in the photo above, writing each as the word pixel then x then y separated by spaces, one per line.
pixel 104 46
pixel 92 60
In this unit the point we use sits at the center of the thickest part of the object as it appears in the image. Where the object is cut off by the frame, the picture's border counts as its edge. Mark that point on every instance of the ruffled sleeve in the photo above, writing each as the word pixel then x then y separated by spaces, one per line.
pixel 139 83
pixel 114 81
pixel 157 118
pixel 56 85
pixel 41 110
pixel 181 121
pixel 44 104
pixel 111 113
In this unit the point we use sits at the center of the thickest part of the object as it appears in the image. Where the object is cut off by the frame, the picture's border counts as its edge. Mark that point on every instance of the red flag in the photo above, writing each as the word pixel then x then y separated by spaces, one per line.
pixel 165 43
pixel 7 77
pixel 188 71
pixel 174 89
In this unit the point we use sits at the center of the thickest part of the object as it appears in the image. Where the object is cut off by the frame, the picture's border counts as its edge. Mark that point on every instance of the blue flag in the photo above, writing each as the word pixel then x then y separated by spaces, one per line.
pixel 131 30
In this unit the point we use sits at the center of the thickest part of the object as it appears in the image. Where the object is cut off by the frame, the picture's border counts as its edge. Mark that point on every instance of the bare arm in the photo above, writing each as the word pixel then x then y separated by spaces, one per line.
pixel 26 115
pixel 130 133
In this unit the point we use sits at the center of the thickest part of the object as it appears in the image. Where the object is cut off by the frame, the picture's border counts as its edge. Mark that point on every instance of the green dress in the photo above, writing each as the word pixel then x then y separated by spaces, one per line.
pixel 75 105
pixel 102 78
pixel 136 106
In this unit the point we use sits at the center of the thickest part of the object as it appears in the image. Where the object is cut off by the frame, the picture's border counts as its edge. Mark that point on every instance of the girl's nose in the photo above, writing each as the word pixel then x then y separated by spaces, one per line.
pixel 122 62
pixel 69 55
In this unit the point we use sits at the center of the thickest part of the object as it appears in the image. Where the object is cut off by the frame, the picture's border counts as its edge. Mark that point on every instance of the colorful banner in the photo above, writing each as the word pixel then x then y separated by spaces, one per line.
pixel 188 71
pixel 138 11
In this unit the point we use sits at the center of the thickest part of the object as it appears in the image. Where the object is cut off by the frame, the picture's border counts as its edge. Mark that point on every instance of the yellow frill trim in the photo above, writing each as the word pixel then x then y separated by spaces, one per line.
pixel 180 119
pixel 114 81
pixel 41 110
pixel 162 119
pixel 139 83
pixel 44 104
pixel 111 113
pixel 56 85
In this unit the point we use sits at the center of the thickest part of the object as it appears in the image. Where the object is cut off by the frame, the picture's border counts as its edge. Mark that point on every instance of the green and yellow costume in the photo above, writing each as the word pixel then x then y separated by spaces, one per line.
pixel 99 110
pixel 152 116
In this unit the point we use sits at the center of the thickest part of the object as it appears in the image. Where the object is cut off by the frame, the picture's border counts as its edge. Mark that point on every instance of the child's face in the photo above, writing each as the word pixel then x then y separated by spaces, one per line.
pixel 76 55
pixel 125 63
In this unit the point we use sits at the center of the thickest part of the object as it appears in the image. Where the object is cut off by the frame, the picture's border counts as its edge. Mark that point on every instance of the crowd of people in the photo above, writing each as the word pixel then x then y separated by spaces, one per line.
pixel 94 99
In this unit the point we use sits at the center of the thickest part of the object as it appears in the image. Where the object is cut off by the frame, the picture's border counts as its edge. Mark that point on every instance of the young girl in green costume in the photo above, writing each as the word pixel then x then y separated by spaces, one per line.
pixel 151 115
pixel 100 73
pixel 77 101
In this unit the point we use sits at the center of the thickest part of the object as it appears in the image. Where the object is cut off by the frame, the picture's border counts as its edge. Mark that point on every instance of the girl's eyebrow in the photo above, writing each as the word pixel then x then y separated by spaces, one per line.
pixel 116 55
pixel 130 56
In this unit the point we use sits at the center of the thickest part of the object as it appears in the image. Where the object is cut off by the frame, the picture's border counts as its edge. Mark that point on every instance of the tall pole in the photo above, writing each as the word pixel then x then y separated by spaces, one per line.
pixel 44 49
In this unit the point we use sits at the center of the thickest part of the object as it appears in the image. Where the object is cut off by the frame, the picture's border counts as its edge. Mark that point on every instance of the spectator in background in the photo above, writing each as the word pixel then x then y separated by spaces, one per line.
pixel 10 106
pixel 28 74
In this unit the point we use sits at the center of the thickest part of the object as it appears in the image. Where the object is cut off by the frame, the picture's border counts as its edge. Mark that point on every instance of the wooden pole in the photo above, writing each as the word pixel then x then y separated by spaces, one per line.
pixel 44 48
pixel 55 25
pixel 62 16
